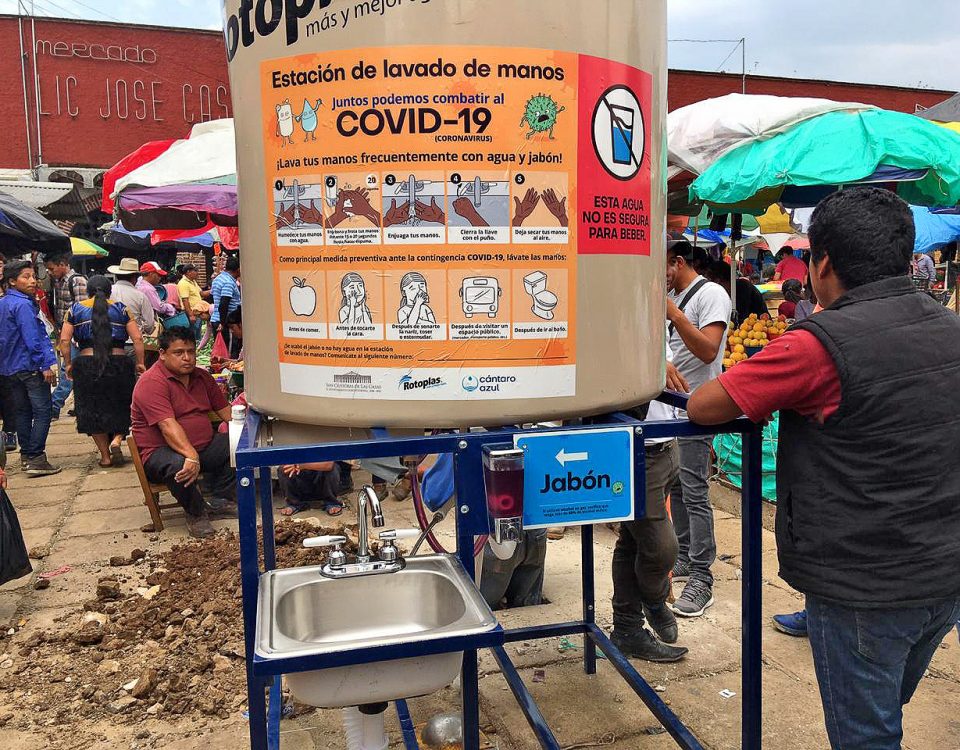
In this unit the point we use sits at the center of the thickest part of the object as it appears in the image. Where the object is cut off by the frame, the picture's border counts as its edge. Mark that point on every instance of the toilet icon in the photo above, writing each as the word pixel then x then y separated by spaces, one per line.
pixel 544 301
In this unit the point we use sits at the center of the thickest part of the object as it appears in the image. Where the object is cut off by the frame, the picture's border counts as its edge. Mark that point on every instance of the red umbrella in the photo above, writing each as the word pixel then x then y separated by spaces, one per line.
pixel 146 153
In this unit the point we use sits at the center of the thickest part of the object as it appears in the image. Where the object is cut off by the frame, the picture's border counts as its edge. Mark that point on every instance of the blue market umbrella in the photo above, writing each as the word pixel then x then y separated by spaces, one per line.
pixel 934 229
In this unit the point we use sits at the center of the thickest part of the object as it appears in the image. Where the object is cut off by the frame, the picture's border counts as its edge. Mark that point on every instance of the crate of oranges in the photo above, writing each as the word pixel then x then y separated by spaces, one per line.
pixel 750 337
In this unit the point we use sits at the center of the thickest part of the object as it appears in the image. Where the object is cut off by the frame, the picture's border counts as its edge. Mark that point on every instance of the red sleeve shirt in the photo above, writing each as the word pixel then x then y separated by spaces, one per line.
pixel 792 267
pixel 159 395
pixel 793 372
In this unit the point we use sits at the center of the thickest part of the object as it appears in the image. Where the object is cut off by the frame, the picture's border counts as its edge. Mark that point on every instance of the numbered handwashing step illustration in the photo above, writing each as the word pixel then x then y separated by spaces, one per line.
pixel 478 207
pixel 540 210
pixel 413 208
pixel 351 203
pixel 298 211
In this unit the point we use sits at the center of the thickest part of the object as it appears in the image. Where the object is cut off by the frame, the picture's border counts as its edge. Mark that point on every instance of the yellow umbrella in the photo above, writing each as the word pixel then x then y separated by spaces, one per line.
pixel 82 247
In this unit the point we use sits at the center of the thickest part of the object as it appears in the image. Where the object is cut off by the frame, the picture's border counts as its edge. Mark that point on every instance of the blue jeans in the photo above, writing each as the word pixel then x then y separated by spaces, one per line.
pixel 869 663
pixel 32 408
pixel 64 385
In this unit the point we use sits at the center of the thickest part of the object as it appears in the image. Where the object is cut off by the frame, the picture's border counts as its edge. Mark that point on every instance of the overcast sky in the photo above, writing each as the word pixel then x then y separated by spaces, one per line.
pixel 915 43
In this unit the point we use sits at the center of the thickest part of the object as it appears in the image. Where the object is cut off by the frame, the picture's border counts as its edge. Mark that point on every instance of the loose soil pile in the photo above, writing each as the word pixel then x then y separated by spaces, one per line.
pixel 163 637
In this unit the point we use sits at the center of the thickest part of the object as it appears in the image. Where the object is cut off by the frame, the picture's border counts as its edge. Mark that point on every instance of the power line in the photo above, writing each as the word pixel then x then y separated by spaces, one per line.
pixel 720 66
pixel 707 41
pixel 97 10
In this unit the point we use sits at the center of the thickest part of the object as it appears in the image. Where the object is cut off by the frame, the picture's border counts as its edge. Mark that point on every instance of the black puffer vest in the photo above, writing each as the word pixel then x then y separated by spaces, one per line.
pixel 868 504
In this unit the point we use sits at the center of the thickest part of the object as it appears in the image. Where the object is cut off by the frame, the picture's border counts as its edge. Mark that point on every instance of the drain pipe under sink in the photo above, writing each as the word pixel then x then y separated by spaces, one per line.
pixel 364 727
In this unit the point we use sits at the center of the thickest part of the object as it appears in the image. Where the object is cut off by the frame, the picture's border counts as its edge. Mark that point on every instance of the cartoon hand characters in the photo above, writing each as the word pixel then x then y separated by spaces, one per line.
pixel 308 120
pixel 285 122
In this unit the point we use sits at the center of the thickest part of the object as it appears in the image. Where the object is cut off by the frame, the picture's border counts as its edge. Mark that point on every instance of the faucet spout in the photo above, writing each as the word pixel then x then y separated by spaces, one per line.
pixel 367 497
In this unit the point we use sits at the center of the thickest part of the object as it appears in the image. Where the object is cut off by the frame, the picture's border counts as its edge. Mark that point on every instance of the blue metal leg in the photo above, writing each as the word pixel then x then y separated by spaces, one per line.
pixel 265 484
pixel 589 596
pixel 648 695
pixel 752 544
pixel 530 709
pixel 470 697
pixel 406 726
pixel 249 579
pixel 274 713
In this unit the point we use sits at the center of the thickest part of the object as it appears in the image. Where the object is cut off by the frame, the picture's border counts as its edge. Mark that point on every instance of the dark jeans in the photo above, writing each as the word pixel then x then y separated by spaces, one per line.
pixel 216 474
pixel 519 579
pixel 869 663
pixel 32 407
pixel 64 385
pixel 312 486
pixel 691 509
pixel 647 548
pixel 8 412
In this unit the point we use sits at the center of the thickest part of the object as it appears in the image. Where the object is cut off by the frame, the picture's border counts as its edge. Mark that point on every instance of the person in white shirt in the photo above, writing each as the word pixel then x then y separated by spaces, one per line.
pixel 698 312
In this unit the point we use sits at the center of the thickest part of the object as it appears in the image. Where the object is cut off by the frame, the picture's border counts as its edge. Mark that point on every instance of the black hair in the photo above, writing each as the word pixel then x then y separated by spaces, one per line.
pixel 176 333
pixel 232 264
pixel 99 288
pixel 720 270
pixel 235 318
pixel 58 258
pixel 12 270
pixel 187 268
pixel 868 233
pixel 792 290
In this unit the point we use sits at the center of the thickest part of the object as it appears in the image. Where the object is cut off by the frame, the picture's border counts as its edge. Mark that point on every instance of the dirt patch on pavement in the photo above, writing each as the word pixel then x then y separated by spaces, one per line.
pixel 164 637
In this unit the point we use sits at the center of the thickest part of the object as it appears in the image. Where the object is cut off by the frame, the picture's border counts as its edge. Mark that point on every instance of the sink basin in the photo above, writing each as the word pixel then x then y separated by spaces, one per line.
pixel 301 613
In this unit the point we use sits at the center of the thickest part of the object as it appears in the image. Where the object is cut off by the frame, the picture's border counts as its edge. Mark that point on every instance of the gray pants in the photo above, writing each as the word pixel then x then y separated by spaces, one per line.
pixel 519 579
pixel 691 510
pixel 387 469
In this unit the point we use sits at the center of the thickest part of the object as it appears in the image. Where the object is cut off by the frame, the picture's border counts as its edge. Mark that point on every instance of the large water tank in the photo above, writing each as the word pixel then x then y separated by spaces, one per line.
pixel 452 211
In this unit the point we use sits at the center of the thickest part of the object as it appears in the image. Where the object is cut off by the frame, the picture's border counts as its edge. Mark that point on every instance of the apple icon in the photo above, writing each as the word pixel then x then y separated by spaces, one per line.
pixel 303 298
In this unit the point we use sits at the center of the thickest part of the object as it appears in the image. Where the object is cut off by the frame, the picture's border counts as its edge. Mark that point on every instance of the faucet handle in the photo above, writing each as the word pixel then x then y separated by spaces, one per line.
pixel 393 535
pixel 325 541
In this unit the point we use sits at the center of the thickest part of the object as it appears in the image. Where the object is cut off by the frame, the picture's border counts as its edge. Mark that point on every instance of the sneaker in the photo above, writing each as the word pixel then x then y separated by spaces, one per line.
pixel 39 467
pixel 644 646
pixel 795 624
pixel 199 526
pixel 402 488
pixel 663 622
pixel 696 597
pixel 556 532
pixel 10 441
pixel 681 571
pixel 222 507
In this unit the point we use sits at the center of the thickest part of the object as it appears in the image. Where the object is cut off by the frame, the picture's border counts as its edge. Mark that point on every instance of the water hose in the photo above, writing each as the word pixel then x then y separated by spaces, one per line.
pixel 427 526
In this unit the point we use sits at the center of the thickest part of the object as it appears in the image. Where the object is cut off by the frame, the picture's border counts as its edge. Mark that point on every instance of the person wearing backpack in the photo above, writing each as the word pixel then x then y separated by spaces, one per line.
pixel 67 287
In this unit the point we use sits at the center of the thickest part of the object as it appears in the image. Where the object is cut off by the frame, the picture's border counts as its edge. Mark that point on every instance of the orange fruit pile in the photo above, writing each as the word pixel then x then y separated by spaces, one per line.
pixel 753 333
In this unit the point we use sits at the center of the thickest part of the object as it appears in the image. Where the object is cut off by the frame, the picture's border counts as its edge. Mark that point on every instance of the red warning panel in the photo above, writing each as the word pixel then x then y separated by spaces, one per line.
pixel 614 181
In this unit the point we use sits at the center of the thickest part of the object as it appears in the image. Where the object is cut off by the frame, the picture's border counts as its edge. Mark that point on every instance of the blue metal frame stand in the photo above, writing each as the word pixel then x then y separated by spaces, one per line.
pixel 253 475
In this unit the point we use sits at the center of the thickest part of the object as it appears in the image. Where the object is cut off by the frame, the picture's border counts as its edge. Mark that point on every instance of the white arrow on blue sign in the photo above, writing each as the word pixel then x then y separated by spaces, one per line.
pixel 577 477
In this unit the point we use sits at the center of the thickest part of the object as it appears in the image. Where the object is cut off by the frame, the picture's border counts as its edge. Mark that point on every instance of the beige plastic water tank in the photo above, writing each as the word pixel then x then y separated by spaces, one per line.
pixel 452 211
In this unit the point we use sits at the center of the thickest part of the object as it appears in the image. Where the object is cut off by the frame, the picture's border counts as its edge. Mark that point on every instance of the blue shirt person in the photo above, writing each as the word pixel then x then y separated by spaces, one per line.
pixel 226 291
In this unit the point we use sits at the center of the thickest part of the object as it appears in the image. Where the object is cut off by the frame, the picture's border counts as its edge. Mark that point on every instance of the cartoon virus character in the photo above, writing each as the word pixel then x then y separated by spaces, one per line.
pixel 285 122
pixel 308 119
pixel 540 115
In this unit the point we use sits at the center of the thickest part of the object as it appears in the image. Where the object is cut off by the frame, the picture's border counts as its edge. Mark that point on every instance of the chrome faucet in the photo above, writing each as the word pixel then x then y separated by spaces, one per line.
pixel 367 496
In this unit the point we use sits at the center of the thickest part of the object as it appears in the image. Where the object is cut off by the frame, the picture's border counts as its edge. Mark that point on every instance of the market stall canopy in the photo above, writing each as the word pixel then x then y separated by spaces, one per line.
pixel 933 229
pixel 838 148
pixel 945 111
pixel 23 228
pixel 143 155
pixel 35 194
pixel 86 249
pixel 701 133
pixel 207 156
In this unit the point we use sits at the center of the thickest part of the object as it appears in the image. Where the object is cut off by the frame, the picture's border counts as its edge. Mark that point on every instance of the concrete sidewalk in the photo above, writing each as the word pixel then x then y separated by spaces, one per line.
pixel 85 514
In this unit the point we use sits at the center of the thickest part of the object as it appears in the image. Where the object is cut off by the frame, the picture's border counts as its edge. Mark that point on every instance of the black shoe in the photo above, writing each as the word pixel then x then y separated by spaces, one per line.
pixel 222 507
pixel 39 466
pixel 199 526
pixel 644 646
pixel 663 622
pixel 681 571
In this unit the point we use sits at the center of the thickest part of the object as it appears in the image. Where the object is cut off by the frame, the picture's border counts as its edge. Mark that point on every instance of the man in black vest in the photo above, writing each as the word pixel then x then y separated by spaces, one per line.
pixel 868 502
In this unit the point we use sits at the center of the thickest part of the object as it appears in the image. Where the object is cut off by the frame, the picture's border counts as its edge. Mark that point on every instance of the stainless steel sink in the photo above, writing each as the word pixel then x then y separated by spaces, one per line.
pixel 302 613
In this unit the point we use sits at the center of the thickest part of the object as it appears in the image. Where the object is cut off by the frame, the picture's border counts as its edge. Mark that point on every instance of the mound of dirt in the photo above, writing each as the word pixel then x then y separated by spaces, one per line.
pixel 164 636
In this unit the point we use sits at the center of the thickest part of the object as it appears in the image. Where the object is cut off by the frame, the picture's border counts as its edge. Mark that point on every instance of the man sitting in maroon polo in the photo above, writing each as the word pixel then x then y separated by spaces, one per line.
pixel 170 419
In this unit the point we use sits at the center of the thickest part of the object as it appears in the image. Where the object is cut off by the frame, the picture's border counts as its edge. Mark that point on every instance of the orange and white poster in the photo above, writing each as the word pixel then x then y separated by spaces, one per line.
pixel 424 217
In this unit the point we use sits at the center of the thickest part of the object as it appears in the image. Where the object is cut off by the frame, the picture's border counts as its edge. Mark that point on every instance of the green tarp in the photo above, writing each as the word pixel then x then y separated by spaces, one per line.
pixel 729 450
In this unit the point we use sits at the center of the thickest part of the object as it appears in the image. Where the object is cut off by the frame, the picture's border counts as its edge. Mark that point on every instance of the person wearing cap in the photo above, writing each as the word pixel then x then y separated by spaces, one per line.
pixel 135 301
pixel 698 312
pixel 151 275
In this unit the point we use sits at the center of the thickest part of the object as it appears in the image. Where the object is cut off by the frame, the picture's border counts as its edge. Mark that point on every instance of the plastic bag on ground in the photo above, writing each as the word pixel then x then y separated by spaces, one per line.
pixel 14 562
